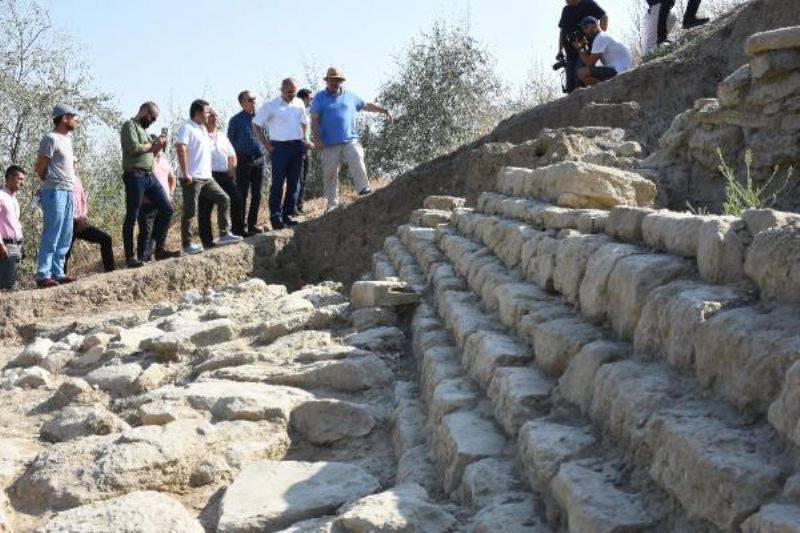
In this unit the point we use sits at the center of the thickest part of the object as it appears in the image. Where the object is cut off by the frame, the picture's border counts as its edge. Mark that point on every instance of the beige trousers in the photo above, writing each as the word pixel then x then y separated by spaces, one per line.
pixel 332 156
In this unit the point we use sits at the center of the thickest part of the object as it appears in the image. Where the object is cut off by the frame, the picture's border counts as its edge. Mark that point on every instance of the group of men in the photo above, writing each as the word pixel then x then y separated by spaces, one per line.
pixel 216 171
pixel 583 41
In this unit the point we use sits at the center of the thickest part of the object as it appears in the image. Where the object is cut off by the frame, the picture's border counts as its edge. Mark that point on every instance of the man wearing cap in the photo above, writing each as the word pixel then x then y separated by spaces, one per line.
pixel 285 121
pixel 140 182
pixel 55 167
pixel 615 56
pixel 10 227
pixel 249 164
pixel 333 124
pixel 571 16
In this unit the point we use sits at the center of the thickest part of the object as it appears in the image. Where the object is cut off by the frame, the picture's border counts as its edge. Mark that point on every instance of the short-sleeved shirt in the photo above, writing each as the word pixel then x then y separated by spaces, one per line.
pixel 57 148
pixel 222 149
pixel 283 120
pixel 10 226
pixel 337 116
pixel 612 53
pixel 132 136
pixel 195 137
pixel 571 16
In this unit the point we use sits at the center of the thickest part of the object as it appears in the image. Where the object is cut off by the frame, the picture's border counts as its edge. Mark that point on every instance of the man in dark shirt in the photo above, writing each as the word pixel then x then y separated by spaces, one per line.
pixel 250 163
pixel 571 16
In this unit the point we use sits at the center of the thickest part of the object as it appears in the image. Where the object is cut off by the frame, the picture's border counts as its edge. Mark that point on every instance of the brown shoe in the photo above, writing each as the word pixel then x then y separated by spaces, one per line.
pixel 46 283
pixel 63 280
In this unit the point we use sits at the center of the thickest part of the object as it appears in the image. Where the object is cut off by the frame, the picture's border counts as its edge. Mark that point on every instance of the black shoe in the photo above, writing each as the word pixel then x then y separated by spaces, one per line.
pixel 289 222
pixel 365 192
pixel 693 23
pixel 46 283
pixel 132 262
pixel 160 255
pixel 209 245
pixel 276 223
pixel 300 210
pixel 254 230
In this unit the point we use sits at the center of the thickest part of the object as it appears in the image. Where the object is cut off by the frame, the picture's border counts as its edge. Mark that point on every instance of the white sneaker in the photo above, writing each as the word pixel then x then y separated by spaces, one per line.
pixel 227 239
pixel 193 249
pixel 331 208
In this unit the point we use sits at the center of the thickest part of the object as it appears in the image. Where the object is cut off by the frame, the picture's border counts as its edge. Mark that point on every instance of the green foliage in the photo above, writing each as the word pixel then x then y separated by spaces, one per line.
pixel 661 50
pixel 745 194
pixel 444 93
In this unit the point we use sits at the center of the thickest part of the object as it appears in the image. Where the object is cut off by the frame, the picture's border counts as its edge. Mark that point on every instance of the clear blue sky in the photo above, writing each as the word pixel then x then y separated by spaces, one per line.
pixel 172 51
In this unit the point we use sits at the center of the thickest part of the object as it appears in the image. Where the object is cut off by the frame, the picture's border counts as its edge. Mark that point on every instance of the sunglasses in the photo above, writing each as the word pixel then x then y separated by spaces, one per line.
pixel 251 99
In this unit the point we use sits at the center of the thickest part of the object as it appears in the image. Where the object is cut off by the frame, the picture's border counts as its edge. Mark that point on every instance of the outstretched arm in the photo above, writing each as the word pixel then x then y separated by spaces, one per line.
pixel 377 108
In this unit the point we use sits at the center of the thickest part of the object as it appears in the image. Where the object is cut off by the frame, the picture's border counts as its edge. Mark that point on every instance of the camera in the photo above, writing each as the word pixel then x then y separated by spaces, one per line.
pixel 576 35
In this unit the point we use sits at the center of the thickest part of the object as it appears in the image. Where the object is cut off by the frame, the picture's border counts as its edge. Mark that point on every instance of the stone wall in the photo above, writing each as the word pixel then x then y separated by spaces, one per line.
pixel 757 109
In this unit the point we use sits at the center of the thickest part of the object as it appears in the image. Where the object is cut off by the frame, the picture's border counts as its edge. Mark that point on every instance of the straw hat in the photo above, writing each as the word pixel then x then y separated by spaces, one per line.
pixel 334 73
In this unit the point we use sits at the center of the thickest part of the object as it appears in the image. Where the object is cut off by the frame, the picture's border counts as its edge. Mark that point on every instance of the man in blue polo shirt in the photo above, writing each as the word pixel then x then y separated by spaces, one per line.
pixel 333 124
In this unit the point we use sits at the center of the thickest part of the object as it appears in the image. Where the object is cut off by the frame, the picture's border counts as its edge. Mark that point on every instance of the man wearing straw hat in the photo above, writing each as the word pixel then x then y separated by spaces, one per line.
pixel 333 124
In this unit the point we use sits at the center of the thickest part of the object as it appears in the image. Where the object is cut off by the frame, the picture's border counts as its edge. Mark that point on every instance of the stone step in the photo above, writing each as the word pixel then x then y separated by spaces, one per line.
pixel 623 413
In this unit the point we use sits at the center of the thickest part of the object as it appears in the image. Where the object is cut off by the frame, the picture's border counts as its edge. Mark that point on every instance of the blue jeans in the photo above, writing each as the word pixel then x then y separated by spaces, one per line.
pixel 137 185
pixel 58 211
pixel 287 165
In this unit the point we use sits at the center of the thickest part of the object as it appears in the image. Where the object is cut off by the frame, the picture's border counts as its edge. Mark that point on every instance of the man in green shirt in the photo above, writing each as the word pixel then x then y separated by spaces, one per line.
pixel 137 165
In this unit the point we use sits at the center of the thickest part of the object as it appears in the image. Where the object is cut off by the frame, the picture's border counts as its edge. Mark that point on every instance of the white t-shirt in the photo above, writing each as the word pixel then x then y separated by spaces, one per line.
pixel 196 138
pixel 613 53
pixel 282 120
pixel 222 149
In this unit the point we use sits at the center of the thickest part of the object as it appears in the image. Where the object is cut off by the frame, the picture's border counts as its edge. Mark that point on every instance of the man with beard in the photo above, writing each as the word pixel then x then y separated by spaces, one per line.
pixel 137 164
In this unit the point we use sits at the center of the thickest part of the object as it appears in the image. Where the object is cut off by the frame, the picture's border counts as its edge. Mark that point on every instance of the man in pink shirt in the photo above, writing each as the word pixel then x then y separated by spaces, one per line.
pixel 10 227
pixel 86 232
pixel 162 170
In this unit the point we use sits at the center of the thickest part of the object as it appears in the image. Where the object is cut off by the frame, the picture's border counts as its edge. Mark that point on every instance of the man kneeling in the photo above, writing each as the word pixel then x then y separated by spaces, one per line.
pixel 615 56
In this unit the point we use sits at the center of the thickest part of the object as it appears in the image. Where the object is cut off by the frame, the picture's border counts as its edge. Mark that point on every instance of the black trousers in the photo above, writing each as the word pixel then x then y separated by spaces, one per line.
pixel 249 180
pixel 205 206
pixel 97 236
pixel 691 10
pixel 573 64
pixel 663 18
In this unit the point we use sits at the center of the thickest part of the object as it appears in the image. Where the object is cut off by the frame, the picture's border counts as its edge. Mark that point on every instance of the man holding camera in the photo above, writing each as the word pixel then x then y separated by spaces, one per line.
pixel 571 16
pixel 615 56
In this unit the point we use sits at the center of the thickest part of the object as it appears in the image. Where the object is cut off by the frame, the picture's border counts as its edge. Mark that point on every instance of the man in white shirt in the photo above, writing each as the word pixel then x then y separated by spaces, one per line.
pixel 285 120
pixel 194 157
pixel 223 169
pixel 615 56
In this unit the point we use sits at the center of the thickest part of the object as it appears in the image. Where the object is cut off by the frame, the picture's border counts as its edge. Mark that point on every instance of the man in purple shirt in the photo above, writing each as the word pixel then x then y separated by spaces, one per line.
pixel 333 124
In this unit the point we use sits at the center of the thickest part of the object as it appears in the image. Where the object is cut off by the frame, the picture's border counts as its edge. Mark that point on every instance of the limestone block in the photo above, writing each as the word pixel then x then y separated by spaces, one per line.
pixel 494 279
pixel 758 220
pixel 450 395
pixel 674 312
pixel 560 217
pixel 78 391
pixel 593 504
pixel 510 248
pixel 517 393
pixel 576 384
pixel 542 264
pixel 297 491
pixel 117 380
pixel 77 421
pixel 438 364
pixel 429 218
pixel 774 518
pixel 544 446
pixel 585 185
pixel 34 377
pixel 784 413
pixel 515 511
pixel 632 280
pixel 405 507
pixel 141 511
pixel 773 262
pixel 744 353
pixel 775 62
pixel 767 91
pixel 381 294
pixel 592 220
pixel 573 253
pixel 721 247
pixel 417 465
pixel 371 317
pixel 381 339
pixel 779 39
pixel 516 299
pixel 557 341
pixel 408 426
pixel 625 223
pixel 161 412
pixel 594 294
pixel 530 323
pixel 511 180
pixel 486 479
pixel 464 319
pixel 444 203
pixel 462 438
pixel 673 232
pixel 736 476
